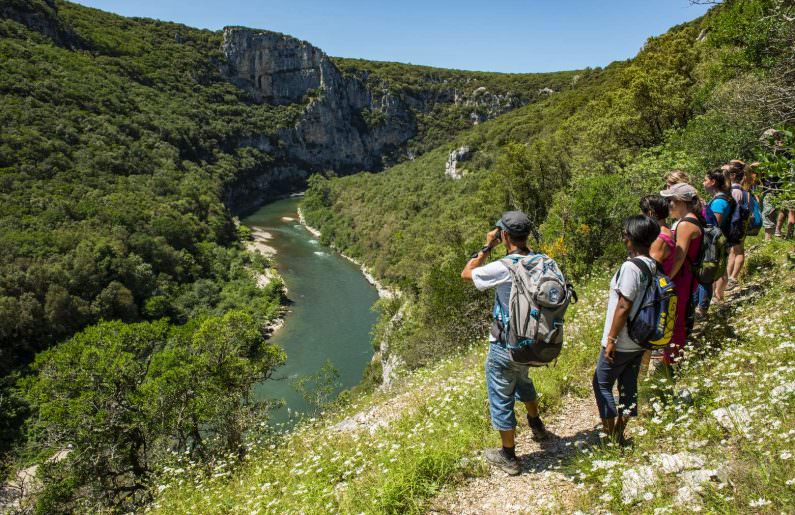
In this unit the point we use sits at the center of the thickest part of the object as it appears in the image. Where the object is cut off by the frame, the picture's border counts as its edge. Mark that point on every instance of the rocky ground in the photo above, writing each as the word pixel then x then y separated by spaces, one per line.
pixel 541 486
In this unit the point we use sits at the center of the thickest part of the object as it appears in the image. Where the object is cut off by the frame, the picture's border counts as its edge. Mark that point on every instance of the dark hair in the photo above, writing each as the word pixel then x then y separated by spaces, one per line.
pixel 718 176
pixel 656 204
pixel 641 231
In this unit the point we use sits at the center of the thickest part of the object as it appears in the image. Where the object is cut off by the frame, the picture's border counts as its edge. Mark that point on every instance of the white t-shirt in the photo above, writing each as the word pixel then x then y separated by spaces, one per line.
pixel 631 285
pixel 495 275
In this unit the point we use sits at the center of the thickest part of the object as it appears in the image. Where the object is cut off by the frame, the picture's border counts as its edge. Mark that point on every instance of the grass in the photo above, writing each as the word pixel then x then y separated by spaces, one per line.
pixel 434 439
pixel 731 450
pixel 438 423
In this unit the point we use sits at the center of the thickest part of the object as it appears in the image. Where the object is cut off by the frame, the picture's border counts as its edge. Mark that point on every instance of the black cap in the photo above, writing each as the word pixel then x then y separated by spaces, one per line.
pixel 515 222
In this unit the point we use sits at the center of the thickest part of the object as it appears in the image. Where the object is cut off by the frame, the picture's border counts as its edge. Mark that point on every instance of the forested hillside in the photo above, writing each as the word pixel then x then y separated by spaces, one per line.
pixel 577 162
pixel 124 145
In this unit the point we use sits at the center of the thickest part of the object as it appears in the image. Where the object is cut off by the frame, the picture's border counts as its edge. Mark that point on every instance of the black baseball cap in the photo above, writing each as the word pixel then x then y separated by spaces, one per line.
pixel 515 222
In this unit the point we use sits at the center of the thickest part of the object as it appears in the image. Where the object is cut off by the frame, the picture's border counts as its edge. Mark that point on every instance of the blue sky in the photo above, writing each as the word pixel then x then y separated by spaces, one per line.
pixel 497 35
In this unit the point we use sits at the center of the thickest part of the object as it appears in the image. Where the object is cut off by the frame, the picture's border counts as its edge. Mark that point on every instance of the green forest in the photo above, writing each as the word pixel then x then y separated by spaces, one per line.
pixel 131 324
pixel 577 162
pixel 120 137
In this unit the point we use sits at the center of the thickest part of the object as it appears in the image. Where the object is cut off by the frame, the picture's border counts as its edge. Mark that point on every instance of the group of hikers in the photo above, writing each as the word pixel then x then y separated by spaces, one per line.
pixel 672 275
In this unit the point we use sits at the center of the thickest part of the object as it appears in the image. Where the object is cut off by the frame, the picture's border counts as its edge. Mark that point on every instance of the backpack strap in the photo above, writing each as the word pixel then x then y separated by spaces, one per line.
pixel 728 198
pixel 647 275
pixel 644 268
pixel 695 221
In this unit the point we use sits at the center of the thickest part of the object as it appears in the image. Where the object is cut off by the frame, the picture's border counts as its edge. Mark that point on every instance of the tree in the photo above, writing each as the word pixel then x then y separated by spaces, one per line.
pixel 122 396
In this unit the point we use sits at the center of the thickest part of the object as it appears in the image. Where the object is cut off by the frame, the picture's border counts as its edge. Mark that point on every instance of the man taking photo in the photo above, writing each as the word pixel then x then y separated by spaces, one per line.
pixel 506 380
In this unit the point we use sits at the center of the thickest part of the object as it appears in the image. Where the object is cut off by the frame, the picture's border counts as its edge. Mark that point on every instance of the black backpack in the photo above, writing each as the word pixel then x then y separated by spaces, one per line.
pixel 710 263
pixel 738 219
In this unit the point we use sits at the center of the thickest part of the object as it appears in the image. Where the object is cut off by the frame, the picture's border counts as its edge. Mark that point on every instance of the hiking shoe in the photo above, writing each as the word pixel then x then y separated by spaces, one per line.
pixel 537 426
pixel 508 465
pixel 700 313
pixel 731 284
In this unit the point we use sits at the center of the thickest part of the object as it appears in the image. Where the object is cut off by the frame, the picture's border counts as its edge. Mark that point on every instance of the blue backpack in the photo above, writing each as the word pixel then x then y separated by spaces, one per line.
pixel 755 223
pixel 652 327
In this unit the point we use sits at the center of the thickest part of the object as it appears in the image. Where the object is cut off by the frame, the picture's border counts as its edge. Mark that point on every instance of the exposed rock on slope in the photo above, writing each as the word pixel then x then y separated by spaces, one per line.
pixel 351 121
pixel 333 132
pixel 451 166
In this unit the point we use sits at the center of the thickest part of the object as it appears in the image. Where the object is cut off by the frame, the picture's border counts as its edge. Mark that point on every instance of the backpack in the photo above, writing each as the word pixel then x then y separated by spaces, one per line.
pixel 710 264
pixel 652 327
pixel 755 222
pixel 738 220
pixel 539 298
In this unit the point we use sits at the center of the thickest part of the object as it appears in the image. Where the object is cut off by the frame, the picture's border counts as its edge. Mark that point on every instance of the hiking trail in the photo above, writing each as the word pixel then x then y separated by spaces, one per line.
pixel 541 486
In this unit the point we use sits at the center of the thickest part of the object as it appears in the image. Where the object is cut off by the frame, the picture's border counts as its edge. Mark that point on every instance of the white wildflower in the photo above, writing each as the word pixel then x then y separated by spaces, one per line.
pixel 757 503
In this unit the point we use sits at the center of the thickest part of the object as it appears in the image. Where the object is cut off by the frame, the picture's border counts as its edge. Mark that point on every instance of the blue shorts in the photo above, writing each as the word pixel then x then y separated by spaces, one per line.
pixel 506 382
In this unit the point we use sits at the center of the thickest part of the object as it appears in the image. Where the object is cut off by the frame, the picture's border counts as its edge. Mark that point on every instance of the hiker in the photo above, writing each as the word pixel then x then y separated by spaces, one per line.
pixel 735 173
pixel 620 357
pixel 790 217
pixel 676 177
pixel 506 380
pixel 770 213
pixel 663 248
pixel 685 207
pixel 774 141
pixel 717 213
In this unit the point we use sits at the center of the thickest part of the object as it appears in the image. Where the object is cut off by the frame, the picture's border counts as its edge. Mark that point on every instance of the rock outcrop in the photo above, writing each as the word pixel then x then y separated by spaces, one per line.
pixel 350 122
pixel 333 132
pixel 451 166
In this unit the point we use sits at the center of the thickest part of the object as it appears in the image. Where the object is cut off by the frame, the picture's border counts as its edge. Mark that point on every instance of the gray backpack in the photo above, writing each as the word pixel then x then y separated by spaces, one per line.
pixel 539 298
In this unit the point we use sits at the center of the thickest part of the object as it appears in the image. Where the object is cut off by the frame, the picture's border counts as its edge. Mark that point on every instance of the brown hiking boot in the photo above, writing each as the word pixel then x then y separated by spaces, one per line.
pixel 508 465
pixel 537 426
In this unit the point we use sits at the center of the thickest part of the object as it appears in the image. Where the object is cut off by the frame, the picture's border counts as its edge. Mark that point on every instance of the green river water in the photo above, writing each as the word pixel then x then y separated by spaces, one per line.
pixel 331 315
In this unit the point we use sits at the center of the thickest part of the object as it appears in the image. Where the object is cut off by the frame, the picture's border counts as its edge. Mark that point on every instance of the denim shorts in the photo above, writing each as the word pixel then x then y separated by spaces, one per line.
pixel 506 382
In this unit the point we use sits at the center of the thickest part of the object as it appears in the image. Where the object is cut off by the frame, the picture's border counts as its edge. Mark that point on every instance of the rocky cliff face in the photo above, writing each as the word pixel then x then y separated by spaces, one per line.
pixel 41 16
pixel 333 133
pixel 349 124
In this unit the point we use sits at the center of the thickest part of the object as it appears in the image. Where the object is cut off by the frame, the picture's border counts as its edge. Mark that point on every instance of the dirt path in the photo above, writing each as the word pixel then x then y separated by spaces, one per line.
pixel 541 487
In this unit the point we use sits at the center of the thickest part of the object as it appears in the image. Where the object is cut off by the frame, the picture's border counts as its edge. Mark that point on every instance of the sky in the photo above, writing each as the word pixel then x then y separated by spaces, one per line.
pixel 496 35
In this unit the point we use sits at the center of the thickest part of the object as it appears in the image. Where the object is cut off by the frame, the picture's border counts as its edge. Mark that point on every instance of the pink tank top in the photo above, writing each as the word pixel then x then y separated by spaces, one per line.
pixel 668 263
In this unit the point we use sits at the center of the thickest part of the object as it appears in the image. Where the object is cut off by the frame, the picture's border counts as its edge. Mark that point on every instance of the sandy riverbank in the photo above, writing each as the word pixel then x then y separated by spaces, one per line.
pixel 383 291
pixel 260 242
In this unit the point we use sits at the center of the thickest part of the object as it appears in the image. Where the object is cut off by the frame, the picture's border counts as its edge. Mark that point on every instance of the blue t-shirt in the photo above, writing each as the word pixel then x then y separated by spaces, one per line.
pixel 718 206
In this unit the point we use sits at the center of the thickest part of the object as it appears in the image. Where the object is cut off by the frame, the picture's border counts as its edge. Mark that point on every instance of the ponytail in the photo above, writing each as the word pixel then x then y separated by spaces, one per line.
pixel 717 175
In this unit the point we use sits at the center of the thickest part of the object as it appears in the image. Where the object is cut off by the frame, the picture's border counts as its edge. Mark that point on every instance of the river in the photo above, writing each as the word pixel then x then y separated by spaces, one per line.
pixel 331 315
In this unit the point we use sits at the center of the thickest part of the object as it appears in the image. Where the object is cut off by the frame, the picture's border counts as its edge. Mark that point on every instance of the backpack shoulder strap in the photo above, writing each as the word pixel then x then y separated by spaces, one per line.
pixel 644 268
pixel 695 221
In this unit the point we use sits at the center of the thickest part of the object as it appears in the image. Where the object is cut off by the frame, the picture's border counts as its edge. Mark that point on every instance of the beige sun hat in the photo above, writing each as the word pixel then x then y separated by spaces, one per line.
pixel 680 191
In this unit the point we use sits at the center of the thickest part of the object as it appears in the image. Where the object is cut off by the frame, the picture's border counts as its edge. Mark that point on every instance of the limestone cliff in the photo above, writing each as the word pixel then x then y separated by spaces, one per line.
pixel 351 121
pixel 332 133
